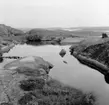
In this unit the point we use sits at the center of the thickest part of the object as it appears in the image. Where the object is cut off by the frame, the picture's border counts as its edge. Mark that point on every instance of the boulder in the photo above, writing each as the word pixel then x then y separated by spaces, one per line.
pixel 33 62
pixel 62 53
pixel 104 35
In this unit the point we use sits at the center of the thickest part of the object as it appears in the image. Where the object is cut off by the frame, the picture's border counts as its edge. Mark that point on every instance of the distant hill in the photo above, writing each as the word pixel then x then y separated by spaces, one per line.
pixel 65 32
pixel 25 29
pixel 47 32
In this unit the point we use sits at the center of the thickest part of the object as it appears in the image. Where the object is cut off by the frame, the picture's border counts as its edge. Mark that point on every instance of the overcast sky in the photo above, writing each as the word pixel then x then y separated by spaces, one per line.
pixel 54 13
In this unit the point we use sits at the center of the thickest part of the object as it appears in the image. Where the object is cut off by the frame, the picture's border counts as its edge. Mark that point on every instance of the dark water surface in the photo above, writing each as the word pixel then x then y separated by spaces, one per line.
pixel 73 73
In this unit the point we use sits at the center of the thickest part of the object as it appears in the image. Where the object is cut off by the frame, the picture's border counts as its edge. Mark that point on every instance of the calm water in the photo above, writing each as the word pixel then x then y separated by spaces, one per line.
pixel 73 73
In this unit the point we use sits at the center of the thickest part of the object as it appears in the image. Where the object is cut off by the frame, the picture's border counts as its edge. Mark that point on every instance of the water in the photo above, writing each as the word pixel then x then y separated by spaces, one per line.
pixel 73 73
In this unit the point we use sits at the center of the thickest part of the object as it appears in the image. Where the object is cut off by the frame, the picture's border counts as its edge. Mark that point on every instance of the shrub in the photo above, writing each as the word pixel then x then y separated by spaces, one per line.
pixel 33 38
pixel 32 84
pixel 28 99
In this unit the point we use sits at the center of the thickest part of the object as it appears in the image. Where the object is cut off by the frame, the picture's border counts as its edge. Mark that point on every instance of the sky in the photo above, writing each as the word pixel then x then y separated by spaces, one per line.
pixel 54 13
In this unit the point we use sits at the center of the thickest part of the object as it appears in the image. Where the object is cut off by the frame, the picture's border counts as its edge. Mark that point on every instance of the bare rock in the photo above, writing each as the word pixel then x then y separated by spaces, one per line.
pixel 20 77
pixel 94 53
pixel 104 35
pixel 62 53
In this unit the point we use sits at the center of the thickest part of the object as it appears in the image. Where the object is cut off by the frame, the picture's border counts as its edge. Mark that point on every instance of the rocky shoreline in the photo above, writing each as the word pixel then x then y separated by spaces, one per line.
pixel 93 54
pixel 91 63
pixel 26 81
pixel 21 80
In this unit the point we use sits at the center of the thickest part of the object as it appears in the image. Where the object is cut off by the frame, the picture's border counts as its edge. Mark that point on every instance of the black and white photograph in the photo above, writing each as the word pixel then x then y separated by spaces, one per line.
pixel 54 52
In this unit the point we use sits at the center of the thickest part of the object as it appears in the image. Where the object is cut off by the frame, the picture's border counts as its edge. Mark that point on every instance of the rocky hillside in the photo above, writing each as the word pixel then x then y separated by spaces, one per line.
pixel 8 31
pixel 9 34
pixel 93 53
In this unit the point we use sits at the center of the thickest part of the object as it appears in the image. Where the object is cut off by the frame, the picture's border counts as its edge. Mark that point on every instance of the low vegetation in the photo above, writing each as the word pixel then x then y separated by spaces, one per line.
pixel 55 93
pixel 32 84
pixel 33 38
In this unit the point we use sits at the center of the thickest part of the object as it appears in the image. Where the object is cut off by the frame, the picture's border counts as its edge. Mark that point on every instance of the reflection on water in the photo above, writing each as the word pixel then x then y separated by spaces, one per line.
pixel 73 73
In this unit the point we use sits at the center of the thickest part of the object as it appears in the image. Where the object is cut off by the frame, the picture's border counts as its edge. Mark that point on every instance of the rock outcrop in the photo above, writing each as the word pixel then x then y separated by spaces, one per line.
pixel 9 35
pixel 5 49
pixel 62 53
pixel 104 35
pixel 9 31
pixel 93 53
pixel 27 82
pixel 20 77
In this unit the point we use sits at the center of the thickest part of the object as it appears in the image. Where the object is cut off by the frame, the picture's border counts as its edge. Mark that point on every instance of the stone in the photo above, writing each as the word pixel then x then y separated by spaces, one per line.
pixel 65 62
pixel 62 53
pixel 104 35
